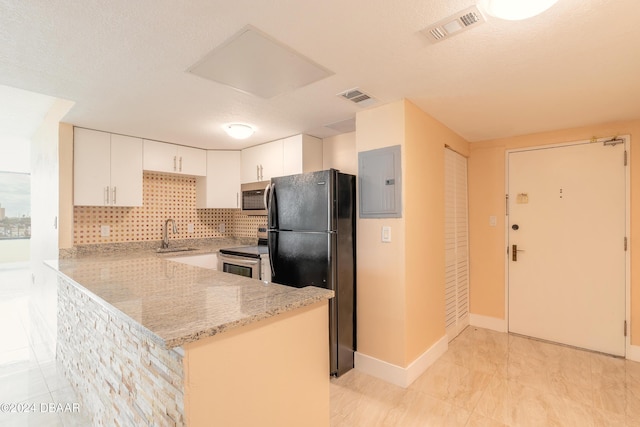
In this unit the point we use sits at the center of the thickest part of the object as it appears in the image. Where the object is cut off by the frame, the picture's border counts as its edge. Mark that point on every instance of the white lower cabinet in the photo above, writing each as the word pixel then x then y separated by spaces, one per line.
pixel 172 158
pixel 107 169
pixel 221 187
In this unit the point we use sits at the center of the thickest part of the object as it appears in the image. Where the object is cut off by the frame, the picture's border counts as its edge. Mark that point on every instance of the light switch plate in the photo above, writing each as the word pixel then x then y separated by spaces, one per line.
pixel 386 234
pixel 190 228
pixel 105 230
pixel 493 221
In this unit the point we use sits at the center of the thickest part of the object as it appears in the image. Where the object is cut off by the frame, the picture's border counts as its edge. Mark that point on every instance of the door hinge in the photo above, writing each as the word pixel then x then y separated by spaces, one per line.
pixel 625 157
pixel 625 244
pixel 506 204
pixel 625 328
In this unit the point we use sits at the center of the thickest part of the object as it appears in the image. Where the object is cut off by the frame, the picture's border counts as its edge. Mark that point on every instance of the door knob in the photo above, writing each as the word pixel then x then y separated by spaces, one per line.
pixel 514 252
pixel 515 227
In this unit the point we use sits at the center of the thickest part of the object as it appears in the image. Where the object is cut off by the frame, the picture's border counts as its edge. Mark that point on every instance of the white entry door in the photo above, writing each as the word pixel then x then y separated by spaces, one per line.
pixel 567 228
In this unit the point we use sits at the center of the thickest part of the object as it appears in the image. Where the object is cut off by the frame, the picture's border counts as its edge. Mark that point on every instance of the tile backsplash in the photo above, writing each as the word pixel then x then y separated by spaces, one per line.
pixel 164 196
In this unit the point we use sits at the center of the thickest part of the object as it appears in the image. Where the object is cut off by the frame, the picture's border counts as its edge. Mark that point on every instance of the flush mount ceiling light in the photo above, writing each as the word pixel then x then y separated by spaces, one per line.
pixel 515 10
pixel 238 130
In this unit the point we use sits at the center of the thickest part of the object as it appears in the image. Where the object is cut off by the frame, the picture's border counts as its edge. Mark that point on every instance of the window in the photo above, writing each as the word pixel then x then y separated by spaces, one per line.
pixel 15 205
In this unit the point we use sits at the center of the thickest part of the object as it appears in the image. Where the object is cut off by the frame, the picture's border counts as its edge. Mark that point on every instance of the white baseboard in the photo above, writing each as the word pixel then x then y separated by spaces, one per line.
pixel 633 353
pixel 487 322
pixel 397 375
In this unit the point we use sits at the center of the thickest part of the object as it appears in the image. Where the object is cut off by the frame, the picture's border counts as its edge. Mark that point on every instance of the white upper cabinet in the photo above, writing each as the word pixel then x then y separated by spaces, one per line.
pixel 262 162
pixel 126 171
pixel 171 158
pixel 192 161
pixel 221 187
pixel 293 155
pixel 301 154
pixel 107 169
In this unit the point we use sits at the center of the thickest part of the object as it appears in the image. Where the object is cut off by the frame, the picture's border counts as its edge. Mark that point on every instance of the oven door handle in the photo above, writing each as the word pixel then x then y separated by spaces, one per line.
pixel 233 259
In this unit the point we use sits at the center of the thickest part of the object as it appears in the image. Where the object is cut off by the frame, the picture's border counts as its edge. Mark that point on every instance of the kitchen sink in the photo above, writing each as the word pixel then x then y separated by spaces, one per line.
pixel 169 250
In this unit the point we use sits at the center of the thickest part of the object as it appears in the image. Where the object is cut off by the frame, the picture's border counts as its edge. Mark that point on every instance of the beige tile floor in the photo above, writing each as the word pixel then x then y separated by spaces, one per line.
pixel 488 378
pixel 485 379
pixel 29 374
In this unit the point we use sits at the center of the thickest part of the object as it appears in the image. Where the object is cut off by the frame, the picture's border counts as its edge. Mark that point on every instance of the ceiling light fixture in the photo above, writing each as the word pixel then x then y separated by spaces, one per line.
pixel 515 10
pixel 238 130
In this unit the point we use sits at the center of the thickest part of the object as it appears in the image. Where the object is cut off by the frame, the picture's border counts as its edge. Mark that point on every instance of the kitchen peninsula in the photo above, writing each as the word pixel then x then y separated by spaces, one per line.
pixel 148 341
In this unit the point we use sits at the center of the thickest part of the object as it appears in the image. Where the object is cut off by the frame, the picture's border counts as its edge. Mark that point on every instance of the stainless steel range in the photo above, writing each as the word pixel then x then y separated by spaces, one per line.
pixel 248 261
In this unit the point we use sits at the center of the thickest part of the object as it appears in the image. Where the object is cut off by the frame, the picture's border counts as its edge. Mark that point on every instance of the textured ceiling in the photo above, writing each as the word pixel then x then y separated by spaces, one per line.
pixel 123 64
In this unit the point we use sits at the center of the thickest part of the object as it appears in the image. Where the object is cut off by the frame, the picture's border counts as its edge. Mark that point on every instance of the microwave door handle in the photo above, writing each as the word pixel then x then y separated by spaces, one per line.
pixel 266 196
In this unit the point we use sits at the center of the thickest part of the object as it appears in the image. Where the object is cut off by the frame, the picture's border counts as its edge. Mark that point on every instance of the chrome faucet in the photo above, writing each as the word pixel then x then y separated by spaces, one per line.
pixel 165 234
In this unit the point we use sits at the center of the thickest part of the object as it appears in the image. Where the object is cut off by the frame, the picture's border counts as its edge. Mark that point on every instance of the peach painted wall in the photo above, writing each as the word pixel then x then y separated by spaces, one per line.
pixel 339 152
pixel 401 284
pixel 271 373
pixel 486 197
pixel 424 143
pixel 381 303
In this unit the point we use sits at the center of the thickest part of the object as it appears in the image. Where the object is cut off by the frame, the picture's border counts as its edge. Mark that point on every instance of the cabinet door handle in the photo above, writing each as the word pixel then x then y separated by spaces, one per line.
pixel 258 172
pixel 174 163
pixel 237 200
pixel 113 199
pixel 180 163
pixel 106 195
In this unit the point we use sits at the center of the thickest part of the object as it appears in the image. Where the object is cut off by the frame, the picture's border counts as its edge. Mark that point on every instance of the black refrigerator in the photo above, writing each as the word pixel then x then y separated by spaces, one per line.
pixel 311 238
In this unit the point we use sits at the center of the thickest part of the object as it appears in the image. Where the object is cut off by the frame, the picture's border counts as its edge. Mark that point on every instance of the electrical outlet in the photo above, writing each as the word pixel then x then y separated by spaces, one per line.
pixel 190 228
pixel 105 230
pixel 221 227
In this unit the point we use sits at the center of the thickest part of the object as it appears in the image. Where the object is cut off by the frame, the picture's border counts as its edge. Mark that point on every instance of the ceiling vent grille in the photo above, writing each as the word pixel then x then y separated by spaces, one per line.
pixel 454 24
pixel 358 97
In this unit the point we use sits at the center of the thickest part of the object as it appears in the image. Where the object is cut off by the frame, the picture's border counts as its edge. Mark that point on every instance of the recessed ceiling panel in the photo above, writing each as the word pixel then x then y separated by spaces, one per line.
pixel 343 126
pixel 255 63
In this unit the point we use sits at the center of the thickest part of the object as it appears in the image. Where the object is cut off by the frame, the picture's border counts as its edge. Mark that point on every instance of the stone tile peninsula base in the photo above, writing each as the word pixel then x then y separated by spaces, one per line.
pixel 273 372
pixel 121 376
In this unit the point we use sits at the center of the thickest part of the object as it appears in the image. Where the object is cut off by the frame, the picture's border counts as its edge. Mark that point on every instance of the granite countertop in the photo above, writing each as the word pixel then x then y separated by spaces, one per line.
pixel 174 303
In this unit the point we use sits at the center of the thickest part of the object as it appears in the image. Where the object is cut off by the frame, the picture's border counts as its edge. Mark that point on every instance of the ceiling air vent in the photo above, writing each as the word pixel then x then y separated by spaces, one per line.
pixel 357 96
pixel 454 24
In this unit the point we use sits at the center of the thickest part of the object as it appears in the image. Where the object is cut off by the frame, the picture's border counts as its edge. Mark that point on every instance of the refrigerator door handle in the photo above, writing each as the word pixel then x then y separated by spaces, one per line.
pixel 272 219
pixel 272 251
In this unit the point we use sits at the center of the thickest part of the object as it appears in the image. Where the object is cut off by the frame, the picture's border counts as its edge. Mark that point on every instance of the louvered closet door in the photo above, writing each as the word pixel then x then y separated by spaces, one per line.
pixel 456 244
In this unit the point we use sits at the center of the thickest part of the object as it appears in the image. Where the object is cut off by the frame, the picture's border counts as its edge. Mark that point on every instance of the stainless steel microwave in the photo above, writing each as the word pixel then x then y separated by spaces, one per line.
pixel 254 198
